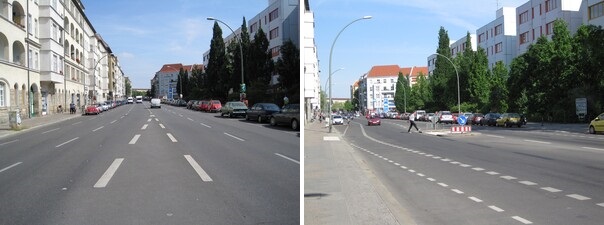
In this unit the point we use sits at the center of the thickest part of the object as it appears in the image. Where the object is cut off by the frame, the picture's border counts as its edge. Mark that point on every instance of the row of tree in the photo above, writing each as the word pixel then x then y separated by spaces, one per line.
pixel 222 77
pixel 542 83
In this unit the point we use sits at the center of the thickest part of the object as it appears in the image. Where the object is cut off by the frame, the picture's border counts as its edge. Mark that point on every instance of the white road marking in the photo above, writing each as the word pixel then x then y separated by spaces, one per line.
pixel 180 115
pixel 205 125
pixel 475 199
pixel 443 184
pixel 134 139
pixel 330 138
pixel 496 136
pixel 526 182
pixel 540 142
pixel 421 174
pixel 149 120
pixel 465 165
pixel 171 137
pixel 202 173
pixel 76 123
pixel 397 164
pixel 101 127
pixel 457 191
pixel 157 120
pixel 66 142
pixel 455 162
pixel 189 119
pixel 445 160
pixel 431 179
pixel 122 117
pixel 144 126
pixel 288 158
pixel 597 149
pixel 8 142
pixel 411 171
pixel 114 121
pixel 508 177
pixel 600 204
pixel 429 155
pixel 162 126
pixel 11 166
pixel 50 130
pixel 403 167
pixel 104 180
pixel 436 157
pixel 551 189
pixel 578 197
pixel 478 169
pixel 492 173
pixel 497 209
pixel 522 220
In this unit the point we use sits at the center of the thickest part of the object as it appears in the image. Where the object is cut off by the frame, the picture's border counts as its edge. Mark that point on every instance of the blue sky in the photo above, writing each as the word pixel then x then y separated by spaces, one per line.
pixel 402 32
pixel 146 34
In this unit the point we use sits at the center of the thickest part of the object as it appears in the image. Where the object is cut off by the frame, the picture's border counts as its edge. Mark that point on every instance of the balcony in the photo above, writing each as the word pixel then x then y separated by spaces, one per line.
pixel 54 77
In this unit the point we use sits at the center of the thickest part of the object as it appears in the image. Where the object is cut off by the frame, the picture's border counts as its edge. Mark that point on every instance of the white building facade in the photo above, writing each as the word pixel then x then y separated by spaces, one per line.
pixel 498 38
pixel 593 12
pixel 312 82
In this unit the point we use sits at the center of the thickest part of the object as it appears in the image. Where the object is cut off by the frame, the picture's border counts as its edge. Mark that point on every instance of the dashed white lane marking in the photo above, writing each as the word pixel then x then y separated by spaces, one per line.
pixel 551 189
pixel 478 169
pixel 497 209
pixel 526 182
pixel 508 177
pixel 101 127
pixel 8 167
pixel 431 179
pixel 397 164
pixel 412 171
pixel 464 165
pixel 113 121
pixel 202 173
pixel 475 199
pixel 171 137
pixel 457 191
pixel 597 149
pixel 330 138
pixel 495 136
pixel 578 197
pixel 48 131
pixel 134 139
pixel 600 204
pixel 73 139
pixel 205 125
pixel 539 142
pixel 149 120
pixel 144 126
pixel 522 220
pixel 104 180
pixel 421 174
pixel 233 136
pixel 8 142
pixel 162 126
pixel 288 158
pixel 157 120
pixel 492 173
pixel 403 167
pixel 189 119
pixel 443 184
pixel 445 160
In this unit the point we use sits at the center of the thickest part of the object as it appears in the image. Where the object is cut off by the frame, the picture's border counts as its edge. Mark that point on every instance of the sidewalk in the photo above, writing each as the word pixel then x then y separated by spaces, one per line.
pixel 36 122
pixel 339 188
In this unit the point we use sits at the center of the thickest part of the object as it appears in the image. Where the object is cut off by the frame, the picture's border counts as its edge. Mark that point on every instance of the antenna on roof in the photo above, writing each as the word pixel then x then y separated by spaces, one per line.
pixel 497 1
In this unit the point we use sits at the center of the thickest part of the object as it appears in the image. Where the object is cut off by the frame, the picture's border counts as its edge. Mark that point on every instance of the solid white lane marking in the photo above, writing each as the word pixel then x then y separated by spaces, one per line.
pixel 497 209
pixel 522 220
pixel 205 125
pixel 11 166
pixel 551 189
pixel 162 126
pixel 526 182
pixel 50 130
pixel 508 177
pixel 495 136
pixel 8 142
pixel 134 139
pixel 457 191
pixel 144 126
pixel 202 173
pixel 114 121
pixel 330 138
pixel 233 136
pixel 578 197
pixel 104 180
pixel 597 149
pixel 101 127
pixel 66 142
pixel 475 199
pixel 171 137
pixel 288 158
pixel 539 142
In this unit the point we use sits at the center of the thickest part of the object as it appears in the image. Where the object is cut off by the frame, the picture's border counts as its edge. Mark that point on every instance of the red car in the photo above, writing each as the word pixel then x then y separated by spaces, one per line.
pixel 214 106
pixel 374 120
pixel 92 110
pixel 203 105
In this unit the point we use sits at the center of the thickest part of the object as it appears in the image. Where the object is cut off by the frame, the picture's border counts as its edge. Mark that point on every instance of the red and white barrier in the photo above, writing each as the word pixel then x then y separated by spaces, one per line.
pixel 461 129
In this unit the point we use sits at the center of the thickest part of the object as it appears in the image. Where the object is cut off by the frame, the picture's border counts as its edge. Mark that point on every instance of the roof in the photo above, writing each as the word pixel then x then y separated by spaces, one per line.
pixel 383 71
pixel 416 70
pixel 175 67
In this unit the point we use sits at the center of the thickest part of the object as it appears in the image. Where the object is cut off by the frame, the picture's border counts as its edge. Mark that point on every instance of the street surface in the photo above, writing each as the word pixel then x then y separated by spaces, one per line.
pixel 496 176
pixel 135 165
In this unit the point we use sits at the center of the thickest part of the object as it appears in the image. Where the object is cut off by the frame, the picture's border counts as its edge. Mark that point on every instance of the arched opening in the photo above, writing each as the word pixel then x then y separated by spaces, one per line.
pixel 66 47
pixel 3 47
pixel 3 94
pixel 71 30
pixel 66 24
pixel 72 52
pixel 18 14
pixel 18 53
pixel 35 108
pixel 16 99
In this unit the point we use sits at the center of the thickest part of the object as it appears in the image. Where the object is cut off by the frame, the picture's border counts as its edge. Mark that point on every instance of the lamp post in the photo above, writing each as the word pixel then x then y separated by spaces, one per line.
pixel 456 73
pixel 179 81
pixel 330 55
pixel 94 76
pixel 242 87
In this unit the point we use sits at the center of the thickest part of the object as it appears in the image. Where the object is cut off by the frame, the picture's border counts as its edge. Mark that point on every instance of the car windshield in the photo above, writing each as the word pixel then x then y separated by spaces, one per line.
pixel 215 102
pixel 238 104
pixel 271 107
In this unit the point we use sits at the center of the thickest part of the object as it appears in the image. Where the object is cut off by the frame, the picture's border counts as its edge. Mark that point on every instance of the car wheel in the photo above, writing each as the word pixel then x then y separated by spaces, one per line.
pixel 221 114
pixel 368 124
pixel 295 124
pixel 247 118
pixel 273 122
pixel 259 119
pixel 592 130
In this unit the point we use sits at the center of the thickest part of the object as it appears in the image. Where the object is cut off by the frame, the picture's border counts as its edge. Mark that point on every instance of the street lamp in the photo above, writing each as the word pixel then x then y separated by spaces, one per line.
pixel 456 73
pixel 94 76
pixel 330 54
pixel 179 80
pixel 242 88
pixel 329 103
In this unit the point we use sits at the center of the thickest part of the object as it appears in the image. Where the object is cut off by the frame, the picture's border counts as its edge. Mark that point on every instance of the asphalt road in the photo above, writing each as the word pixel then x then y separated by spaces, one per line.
pixel 499 176
pixel 134 165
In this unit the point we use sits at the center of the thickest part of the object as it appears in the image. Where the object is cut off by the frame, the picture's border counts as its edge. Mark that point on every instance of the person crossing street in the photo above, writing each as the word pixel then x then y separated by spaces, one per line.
pixel 412 123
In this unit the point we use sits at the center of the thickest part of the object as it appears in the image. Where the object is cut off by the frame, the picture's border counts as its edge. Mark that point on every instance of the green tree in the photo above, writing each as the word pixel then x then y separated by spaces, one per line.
pixel 261 70
pixel 214 83
pixel 589 61
pixel 402 92
pixel 479 81
pixel 288 68
pixel 497 98
pixel 440 80
pixel 348 106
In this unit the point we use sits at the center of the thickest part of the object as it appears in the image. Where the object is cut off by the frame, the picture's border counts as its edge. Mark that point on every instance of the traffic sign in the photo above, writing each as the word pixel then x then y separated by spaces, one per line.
pixel 461 120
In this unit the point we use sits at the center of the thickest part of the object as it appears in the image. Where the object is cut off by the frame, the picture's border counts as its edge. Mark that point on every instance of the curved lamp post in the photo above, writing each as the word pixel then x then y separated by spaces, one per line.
pixel 242 88
pixel 456 73
pixel 330 54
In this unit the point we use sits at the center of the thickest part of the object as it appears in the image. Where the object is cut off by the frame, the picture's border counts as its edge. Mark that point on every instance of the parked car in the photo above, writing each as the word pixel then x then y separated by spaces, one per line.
pixel 597 124
pixel 509 120
pixel 234 108
pixel 155 103
pixel 196 105
pixel 190 104
pixel 337 120
pixel 475 119
pixel 373 120
pixel 444 117
pixel 289 115
pixel 419 114
pixel 92 110
pixel 214 106
pixel 490 119
pixel 261 112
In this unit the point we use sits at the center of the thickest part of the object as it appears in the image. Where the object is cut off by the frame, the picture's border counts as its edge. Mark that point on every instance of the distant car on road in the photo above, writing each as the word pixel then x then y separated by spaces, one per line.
pixel 509 120
pixel 490 119
pixel 597 124
pixel 261 112
pixel 92 110
pixel 337 120
pixel 289 115
pixel 374 120
pixel 234 108
pixel 155 103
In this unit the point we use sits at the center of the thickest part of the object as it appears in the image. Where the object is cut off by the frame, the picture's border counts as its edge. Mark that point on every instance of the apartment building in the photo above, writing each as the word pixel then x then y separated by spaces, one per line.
pixel 165 80
pixel 312 81
pixel 593 12
pixel 498 38
pixel 48 56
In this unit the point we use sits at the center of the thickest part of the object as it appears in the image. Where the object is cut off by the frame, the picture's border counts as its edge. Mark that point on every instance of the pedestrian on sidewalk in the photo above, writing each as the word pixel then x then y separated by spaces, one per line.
pixel 72 108
pixel 412 123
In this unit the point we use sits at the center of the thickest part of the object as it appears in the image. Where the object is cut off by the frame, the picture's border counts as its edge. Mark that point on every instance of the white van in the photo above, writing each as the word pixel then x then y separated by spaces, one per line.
pixel 130 100
pixel 155 102
pixel 139 99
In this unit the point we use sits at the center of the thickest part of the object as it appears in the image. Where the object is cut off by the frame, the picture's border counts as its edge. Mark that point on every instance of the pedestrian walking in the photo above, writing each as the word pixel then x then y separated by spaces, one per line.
pixel 72 108
pixel 412 123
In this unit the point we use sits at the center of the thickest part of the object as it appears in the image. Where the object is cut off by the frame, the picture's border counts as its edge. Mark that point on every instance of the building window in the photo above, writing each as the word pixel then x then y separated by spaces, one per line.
pixel 550 5
pixel 385 81
pixel 596 10
pixel 378 81
pixel 523 18
pixel 253 28
pixel 274 33
pixel 498 29
pixel 523 37
pixel 273 15
pixel 549 28
pixel 481 38
pixel 391 80
pixel 29 24
pixel 498 47
pixel 36 57
pixel 392 87
pixel 2 94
